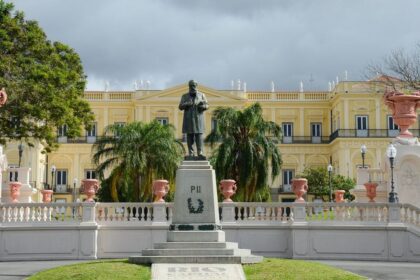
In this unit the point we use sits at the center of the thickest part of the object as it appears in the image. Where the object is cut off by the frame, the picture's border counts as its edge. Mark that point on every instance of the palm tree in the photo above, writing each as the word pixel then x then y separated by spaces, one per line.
pixel 140 153
pixel 247 149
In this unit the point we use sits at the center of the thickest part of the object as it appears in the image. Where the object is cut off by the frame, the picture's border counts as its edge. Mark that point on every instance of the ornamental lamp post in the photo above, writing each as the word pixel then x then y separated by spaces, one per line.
pixel 20 149
pixel 391 153
pixel 74 189
pixel 53 169
pixel 363 150
pixel 330 169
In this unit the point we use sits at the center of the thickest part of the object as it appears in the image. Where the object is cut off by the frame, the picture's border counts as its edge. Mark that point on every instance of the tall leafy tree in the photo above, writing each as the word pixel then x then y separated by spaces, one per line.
pixel 137 153
pixel 44 81
pixel 319 185
pixel 246 150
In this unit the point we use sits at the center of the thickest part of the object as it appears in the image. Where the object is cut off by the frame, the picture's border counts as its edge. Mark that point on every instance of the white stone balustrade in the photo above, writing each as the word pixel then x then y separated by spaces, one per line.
pixel 46 213
pixel 290 230
pixel 347 212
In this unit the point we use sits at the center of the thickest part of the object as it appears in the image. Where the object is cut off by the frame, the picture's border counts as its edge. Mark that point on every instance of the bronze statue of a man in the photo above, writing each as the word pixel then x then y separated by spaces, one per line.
pixel 193 104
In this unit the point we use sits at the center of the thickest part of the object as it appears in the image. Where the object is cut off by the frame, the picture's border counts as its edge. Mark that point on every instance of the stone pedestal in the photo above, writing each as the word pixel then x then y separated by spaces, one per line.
pixel 407 173
pixel 195 234
pixel 195 205
pixel 26 191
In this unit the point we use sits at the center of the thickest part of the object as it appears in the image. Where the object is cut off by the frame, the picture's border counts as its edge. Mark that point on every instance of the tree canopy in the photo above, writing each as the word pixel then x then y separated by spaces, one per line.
pixel 318 182
pixel 44 81
pixel 399 70
pixel 246 151
pixel 135 155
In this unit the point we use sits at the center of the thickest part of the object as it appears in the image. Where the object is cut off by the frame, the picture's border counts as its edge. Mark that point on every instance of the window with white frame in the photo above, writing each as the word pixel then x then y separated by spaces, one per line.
pixel 391 125
pixel 287 128
pixel 361 126
pixel 162 121
pixel 361 122
pixel 287 179
pixel 90 174
pixel 316 132
pixel 61 177
pixel 62 130
pixel 92 131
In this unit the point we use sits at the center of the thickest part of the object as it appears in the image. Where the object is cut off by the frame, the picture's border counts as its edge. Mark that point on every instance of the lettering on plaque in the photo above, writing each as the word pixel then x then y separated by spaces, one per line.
pixel 197 208
pixel 196 189
pixel 210 273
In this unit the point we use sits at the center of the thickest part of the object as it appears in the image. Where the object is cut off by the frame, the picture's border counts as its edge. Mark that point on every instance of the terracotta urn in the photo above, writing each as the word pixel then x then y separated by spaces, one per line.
pixel 403 107
pixel 15 191
pixel 3 97
pixel 299 187
pixel 339 196
pixel 46 195
pixel 160 189
pixel 371 190
pixel 228 188
pixel 90 187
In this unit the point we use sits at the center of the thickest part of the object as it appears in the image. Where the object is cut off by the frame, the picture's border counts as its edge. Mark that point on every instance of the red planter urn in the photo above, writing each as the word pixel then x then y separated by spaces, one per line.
pixel 160 189
pixel 299 187
pixel 89 188
pixel 228 188
pixel 339 196
pixel 403 107
pixel 46 195
pixel 371 190
pixel 15 191
pixel 3 97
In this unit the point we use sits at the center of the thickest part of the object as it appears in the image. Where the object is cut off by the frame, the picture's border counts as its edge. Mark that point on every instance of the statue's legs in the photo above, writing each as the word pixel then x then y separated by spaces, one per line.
pixel 190 143
pixel 199 143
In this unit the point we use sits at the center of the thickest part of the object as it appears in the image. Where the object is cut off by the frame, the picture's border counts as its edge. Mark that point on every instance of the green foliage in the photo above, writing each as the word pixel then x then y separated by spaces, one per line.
pixel 44 82
pixel 109 269
pixel 139 154
pixel 270 268
pixel 318 182
pixel 283 269
pixel 246 150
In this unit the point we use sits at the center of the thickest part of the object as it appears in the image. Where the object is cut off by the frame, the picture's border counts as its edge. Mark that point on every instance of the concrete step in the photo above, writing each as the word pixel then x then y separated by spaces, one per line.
pixel 195 259
pixel 193 245
pixel 196 236
pixel 196 252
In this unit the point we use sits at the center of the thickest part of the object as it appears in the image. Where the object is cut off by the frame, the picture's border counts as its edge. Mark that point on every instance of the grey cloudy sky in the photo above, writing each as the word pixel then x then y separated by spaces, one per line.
pixel 257 41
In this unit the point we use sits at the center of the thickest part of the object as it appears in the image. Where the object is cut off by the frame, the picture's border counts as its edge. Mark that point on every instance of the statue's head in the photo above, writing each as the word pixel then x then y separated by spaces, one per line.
pixel 193 85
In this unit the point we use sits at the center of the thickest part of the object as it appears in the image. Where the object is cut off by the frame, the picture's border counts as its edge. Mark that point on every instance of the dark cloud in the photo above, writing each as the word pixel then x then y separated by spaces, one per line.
pixel 169 42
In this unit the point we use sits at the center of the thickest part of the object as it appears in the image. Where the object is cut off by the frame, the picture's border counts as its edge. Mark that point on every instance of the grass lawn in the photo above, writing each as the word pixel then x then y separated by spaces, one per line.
pixel 270 269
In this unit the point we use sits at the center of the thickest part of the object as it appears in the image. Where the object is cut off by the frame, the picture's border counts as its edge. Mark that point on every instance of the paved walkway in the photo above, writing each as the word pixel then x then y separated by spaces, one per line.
pixel 370 269
pixel 380 270
pixel 22 270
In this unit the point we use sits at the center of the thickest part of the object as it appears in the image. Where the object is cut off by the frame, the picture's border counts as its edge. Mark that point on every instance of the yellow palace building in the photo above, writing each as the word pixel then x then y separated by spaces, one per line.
pixel 319 127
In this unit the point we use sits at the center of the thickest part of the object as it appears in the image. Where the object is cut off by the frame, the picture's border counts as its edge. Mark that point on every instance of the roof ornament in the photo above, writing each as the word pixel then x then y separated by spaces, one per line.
pixel 301 86
pixel 272 86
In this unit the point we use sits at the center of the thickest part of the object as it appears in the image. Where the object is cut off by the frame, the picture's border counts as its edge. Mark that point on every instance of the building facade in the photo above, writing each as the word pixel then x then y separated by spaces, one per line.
pixel 319 128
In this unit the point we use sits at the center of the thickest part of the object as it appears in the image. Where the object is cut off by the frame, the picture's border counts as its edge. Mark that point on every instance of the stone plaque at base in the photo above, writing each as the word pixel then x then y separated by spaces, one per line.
pixel 195 205
pixel 195 236
pixel 193 271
